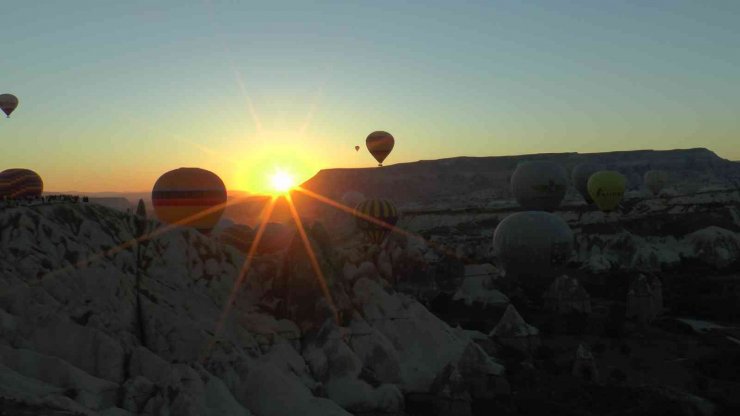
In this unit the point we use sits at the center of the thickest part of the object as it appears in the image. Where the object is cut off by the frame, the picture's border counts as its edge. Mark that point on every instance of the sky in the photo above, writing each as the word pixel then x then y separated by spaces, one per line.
pixel 113 94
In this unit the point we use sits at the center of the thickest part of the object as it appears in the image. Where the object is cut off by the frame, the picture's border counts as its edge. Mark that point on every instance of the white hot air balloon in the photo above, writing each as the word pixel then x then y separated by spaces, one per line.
pixel 533 243
pixel 539 185
pixel 656 180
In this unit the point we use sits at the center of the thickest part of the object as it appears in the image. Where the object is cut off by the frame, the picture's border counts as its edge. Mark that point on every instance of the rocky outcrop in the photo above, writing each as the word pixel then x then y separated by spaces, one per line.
pixel 78 333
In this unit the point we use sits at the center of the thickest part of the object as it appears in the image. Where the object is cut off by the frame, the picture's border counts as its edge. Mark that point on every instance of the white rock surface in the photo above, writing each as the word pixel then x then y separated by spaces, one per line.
pixel 74 318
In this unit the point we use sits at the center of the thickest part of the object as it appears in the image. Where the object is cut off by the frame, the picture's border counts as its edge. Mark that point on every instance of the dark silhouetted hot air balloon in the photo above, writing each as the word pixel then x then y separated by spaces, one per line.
pixel 607 189
pixel 539 185
pixel 189 197
pixel 380 209
pixel 656 180
pixel 357 148
pixel 533 243
pixel 20 183
pixel 8 103
pixel 380 144
pixel 238 236
pixel 580 175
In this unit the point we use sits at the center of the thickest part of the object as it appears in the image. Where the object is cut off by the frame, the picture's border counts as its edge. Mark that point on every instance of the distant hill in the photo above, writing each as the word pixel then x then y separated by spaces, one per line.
pixel 117 203
pixel 469 181
pixel 465 180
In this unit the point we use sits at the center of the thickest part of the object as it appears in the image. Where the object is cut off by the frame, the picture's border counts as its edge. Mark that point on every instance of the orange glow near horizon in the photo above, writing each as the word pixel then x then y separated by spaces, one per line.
pixel 281 182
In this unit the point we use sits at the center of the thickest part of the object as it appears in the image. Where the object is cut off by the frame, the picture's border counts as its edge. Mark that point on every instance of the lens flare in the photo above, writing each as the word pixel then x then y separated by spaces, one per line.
pixel 282 182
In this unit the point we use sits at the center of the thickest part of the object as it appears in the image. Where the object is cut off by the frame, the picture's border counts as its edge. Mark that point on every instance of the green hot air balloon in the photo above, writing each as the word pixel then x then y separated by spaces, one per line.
pixel 607 189
pixel 539 185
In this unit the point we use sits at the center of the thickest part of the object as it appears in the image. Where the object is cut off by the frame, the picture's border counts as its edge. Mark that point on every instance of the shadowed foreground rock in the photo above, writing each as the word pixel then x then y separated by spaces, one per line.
pixel 81 336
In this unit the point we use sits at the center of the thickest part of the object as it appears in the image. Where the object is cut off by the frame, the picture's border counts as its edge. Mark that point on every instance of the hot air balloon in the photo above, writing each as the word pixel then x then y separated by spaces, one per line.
pixel 607 189
pixel 539 185
pixel 380 209
pixel 20 183
pixel 238 236
pixel 8 103
pixel 380 144
pixel 357 148
pixel 189 197
pixel 580 175
pixel 533 243
pixel 656 180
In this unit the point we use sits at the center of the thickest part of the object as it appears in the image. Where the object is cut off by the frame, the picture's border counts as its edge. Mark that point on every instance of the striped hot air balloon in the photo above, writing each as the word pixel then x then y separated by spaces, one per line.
pixel 20 183
pixel 380 209
pixel 189 197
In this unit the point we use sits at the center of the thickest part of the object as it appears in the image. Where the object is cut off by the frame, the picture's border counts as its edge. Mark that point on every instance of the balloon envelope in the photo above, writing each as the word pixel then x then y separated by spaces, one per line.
pixel 380 209
pixel 380 144
pixel 20 183
pixel 656 180
pixel 607 189
pixel 533 243
pixel 539 185
pixel 8 103
pixel 189 197
pixel 357 148
pixel 580 175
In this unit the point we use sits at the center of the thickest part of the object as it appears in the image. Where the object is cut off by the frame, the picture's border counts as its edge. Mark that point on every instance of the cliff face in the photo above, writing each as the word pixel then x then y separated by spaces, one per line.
pixel 463 181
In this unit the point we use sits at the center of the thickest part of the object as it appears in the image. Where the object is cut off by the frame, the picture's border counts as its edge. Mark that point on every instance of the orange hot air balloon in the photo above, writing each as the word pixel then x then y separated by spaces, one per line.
pixel 20 183
pixel 8 103
pixel 380 144
pixel 189 197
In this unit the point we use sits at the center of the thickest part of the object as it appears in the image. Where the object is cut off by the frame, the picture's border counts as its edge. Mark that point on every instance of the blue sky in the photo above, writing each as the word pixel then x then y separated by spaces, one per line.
pixel 115 93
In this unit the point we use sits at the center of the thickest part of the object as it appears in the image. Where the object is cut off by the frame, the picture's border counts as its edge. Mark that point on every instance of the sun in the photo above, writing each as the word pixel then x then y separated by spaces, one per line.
pixel 281 182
